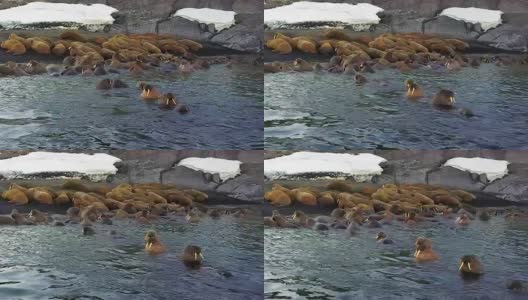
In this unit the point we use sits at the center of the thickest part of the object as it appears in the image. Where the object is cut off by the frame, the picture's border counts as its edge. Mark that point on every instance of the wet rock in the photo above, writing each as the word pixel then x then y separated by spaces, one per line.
pixel 243 185
pixel 507 37
pixel 187 177
pixel 512 187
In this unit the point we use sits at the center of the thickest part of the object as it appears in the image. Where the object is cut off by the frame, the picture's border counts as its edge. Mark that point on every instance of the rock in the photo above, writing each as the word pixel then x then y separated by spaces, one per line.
pixel 447 26
pixel 451 177
pixel 512 187
pixel 187 177
pixel 240 37
pixel 184 28
pixel 507 37
pixel 245 185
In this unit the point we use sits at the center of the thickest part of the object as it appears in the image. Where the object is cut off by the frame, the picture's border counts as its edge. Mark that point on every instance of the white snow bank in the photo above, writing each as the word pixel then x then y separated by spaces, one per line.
pixel 221 19
pixel 487 18
pixel 362 167
pixel 322 12
pixel 96 167
pixel 225 168
pixel 94 16
pixel 494 169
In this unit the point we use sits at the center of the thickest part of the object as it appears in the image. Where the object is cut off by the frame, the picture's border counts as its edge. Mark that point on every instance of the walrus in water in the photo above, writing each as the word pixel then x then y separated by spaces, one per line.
pixel 300 65
pixel 413 90
pixel 424 250
pixel 360 79
pixel 150 93
pixel 38 217
pixel 152 243
pixel 444 99
pixel 192 256
pixel 463 219
pixel 19 218
pixel 381 237
pixel 470 265
pixel 281 221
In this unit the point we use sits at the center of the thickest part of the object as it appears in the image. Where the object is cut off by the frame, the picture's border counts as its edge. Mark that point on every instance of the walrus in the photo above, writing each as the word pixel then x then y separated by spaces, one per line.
pixel 300 65
pixel 105 219
pixel 470 265
pixel 279 45
pixel 463 219
pixel 381 237
pixel 99 69
pixel 360 79
pixel 34 67
pixel 16 196
pixel 38 217
pixel 453 65
pixel 484 216
pixel 7 220
pixel 320 227
pixel 150 93
pixel 192 256
pixel 268 221
pixel 338 213
pixel 119 84
pixel 40 196
pixel 413 90
pixel 424 250
pixel 168 101
pixel 105 84
pixel 19 218
pixel 365 68
pixel 444 99
pixel 281 221
pixel 192 217
pixel 273 67
pixel 69 71
pixel 300 218
pixel 88 230
pixel 14 47
pixel 153 244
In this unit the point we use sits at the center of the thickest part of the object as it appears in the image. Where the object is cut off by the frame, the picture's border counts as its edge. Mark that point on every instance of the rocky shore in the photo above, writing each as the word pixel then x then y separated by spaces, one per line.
pixel 153 16
pixel 423 16
pixel 426 167
pixel 160 167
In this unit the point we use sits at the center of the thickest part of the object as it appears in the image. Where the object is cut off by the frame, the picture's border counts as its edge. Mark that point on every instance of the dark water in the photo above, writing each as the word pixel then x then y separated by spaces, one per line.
pixel 46 262
pixel 42 112
pixel 330 112
pixel 305 264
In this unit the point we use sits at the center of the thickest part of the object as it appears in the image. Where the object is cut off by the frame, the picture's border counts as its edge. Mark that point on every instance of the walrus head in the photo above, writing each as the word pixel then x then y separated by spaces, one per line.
pixel 422 244
pixel 169 99
pixel 192 256
pixel 381 235
pixel 448 95
pixel 470 264
pixel 147 89
pixel 151 238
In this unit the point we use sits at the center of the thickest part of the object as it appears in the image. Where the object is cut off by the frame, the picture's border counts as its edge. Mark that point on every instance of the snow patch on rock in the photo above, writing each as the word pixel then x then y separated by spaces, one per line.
pixel 57 15
pixel 221 19
pixel 322 14
pixel 362 167
pixel 59 165
pixel 487 18
pixel 225 168
pixel 493 169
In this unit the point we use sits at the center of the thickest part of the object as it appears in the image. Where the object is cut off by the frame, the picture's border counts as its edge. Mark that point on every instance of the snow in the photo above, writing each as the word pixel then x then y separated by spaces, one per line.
pixel 494 169
pixel 94 16
pixel 362 167
pixel 485 17
pixel 75 165
pixel 225 168
pixel 299 13
pixel 221 19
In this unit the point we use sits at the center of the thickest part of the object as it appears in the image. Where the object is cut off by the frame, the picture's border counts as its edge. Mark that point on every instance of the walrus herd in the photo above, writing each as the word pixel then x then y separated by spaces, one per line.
pixel 357 205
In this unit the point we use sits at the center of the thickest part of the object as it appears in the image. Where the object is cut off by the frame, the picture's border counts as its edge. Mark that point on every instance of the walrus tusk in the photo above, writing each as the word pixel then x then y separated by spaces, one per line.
pixel 148 93
pixel 195 256
pixel 412 91
pixel 469 266
pixel 149 245
pixel 461 265
pixel 201 255
pixel 417 253
pixel 452 99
